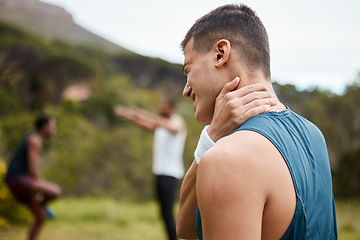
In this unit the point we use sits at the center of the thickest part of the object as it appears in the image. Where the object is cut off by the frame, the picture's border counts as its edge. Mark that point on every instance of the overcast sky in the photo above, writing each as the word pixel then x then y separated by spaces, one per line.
pixel 312 43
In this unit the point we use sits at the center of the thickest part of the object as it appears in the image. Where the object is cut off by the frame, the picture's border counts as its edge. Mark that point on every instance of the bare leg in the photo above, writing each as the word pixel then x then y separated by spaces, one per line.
pixel 39 214
pixel 48 190
pixel 26 189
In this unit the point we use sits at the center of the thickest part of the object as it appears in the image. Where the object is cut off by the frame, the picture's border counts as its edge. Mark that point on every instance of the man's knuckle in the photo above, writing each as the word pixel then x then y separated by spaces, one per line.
pixel 228 96
pixel 234 113
pixel 233 105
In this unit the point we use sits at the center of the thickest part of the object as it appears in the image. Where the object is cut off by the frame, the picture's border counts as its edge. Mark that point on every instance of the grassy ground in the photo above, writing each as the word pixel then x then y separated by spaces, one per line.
pixel 107 219
pixel 348 218
pixel 97 219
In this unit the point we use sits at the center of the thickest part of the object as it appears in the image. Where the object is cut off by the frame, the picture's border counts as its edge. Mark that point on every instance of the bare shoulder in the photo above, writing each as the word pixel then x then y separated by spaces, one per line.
pixel 243 148
pixel 242 157
pixel 34 141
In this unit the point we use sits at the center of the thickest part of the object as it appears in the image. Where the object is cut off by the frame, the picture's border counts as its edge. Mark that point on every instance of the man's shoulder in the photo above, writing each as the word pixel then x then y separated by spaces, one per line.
pixel 241 151
pixel 245 142
pixel 34 140
pixel 177 117
pixel 241 163
pixel 179 120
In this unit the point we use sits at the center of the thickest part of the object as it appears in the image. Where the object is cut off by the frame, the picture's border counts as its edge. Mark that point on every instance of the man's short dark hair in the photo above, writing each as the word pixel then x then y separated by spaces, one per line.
pixel 41 121
pixel 239 25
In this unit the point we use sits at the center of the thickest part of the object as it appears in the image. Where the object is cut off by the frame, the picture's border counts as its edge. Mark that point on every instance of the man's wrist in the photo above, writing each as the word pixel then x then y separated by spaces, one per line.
pixel 204 144
pixel 211 134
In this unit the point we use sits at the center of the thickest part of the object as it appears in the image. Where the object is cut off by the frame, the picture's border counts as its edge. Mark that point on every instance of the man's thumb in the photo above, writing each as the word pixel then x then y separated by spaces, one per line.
pixel 229 87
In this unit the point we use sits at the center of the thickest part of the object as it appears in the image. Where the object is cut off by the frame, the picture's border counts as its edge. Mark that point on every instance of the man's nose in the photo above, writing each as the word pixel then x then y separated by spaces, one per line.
pixel 187 91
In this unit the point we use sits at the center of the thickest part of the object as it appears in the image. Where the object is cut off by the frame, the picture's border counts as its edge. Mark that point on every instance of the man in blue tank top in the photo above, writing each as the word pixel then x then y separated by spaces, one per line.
pixel 271 178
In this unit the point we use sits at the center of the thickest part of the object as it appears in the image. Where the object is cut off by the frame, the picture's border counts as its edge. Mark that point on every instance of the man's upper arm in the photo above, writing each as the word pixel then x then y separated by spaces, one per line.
pixel 185 222
pixel 174 125
pixel 34 151
pixel 229 192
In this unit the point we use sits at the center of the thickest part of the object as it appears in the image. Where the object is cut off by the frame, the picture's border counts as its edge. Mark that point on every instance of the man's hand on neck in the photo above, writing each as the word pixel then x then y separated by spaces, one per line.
pixel 235 105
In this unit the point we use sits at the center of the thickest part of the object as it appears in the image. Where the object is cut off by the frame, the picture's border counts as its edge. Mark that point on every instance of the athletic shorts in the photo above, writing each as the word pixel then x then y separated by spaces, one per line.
pixel 20 187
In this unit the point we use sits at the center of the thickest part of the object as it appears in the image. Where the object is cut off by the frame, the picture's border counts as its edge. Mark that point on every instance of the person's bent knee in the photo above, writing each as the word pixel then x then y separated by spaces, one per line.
pixel 57 191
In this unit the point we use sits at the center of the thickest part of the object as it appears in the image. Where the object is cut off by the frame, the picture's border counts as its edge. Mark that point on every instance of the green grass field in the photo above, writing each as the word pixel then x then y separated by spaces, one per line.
pixel 108 219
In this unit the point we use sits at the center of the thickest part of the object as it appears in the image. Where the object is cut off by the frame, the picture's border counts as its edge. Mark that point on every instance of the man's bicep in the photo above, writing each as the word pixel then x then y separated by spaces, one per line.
pixel 33 148
pixel 229 205
pixel 34 151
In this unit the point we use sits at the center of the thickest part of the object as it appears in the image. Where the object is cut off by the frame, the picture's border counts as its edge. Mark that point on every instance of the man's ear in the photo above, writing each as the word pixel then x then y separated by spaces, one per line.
pixel 222 51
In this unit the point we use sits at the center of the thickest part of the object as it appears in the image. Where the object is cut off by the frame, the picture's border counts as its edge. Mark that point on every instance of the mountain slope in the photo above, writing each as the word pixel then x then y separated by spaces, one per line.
pixel 51 22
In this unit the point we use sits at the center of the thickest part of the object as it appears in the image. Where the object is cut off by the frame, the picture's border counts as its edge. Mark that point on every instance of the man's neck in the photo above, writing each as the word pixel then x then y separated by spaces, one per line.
pixel 254 77
pixel 258 77
pixel 41 136
pixel 165 115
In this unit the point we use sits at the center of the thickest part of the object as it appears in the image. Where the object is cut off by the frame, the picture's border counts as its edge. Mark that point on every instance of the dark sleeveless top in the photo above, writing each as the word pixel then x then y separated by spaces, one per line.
pixel 304 150
pixel 19 163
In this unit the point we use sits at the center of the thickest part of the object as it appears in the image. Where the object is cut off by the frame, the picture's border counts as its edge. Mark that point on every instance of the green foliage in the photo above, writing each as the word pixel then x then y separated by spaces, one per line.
pixel 12 36
pixel 152 73
pixel 70 151
pixel 93 162
pixel 105 95
pixel 11 212
pixel 34 73
pixel 9 102
pixel 347 174
pixel 13 129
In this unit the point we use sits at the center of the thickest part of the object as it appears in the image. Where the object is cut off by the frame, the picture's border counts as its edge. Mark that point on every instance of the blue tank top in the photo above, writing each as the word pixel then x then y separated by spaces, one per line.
pixel 19 163
pixel 304 150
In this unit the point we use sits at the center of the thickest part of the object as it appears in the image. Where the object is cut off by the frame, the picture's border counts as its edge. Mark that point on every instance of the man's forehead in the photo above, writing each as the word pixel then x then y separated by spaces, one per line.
pixel 189 46
pixel 188 51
